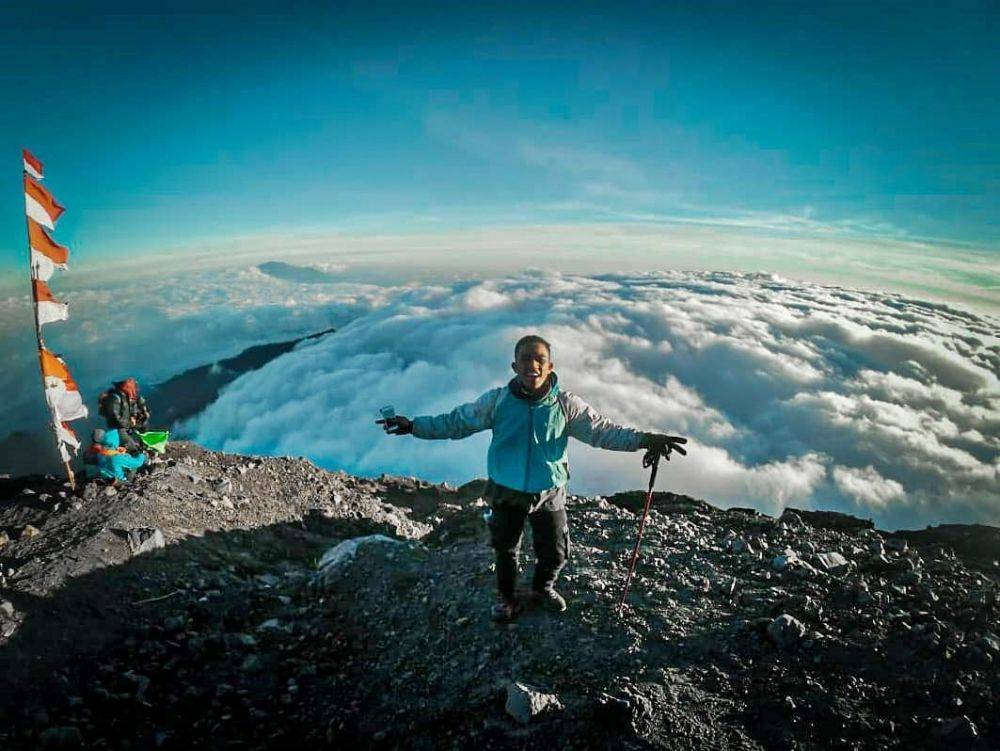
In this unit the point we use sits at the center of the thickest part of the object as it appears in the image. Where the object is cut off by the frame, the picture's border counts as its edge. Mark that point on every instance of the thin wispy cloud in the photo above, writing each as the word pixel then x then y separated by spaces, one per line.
pixel 595 183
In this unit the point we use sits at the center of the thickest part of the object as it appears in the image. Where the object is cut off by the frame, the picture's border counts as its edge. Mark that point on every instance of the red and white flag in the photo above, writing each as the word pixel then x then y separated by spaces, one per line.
pixel 46 254
pixel 32 165
pixel 69 444
pixel 66 435
pixel 40 205
pixel 47 308
pixel 61 391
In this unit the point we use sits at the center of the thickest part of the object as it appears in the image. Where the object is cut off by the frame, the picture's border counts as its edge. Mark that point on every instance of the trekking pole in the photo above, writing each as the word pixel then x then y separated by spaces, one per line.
pixel 651 459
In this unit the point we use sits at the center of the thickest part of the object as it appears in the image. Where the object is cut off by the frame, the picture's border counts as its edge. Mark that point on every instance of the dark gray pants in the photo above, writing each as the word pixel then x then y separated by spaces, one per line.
pixel 549 530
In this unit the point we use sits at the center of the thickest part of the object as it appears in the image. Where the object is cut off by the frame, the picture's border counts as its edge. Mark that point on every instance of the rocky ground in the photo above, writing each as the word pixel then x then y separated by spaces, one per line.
pixel 244 602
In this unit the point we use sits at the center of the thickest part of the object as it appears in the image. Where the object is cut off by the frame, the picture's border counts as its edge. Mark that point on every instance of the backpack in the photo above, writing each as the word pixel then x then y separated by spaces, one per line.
pixel 104 404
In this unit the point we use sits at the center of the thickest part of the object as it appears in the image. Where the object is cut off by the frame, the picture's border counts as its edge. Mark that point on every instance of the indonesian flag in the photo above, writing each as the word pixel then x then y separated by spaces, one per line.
pixel 67 441
pixel 32 165
pixel 40 205
pixel 47 308
pixel 66 435
pixel 61 391
pixel 46 254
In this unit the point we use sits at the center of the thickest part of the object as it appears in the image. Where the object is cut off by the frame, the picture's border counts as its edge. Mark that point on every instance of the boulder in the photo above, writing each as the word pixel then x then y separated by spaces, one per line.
pixel 958 730
pixel 337 557
pixel 61 737
pixel 525 702
pixel 786 631
pixel 787 559
pixel 832 561
pixel 144 540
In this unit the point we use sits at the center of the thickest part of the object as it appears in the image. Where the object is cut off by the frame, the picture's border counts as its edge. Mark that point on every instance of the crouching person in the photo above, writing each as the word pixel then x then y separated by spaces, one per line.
pixel 105 459
pixel 124 409
pixel 532 420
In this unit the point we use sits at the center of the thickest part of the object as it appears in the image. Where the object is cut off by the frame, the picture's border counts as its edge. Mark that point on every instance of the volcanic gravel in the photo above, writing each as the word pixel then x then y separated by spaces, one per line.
pixel 226 601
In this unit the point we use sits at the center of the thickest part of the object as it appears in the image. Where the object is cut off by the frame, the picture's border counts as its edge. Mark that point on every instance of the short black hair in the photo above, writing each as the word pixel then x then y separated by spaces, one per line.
pixel 531 339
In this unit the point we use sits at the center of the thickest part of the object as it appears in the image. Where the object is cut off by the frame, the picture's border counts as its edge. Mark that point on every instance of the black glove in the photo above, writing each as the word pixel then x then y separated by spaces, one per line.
pixel 662 445
pixel 397 425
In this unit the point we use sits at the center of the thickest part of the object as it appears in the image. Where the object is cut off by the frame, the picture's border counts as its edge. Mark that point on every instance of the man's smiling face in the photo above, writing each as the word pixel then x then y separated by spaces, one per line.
pixel 533 365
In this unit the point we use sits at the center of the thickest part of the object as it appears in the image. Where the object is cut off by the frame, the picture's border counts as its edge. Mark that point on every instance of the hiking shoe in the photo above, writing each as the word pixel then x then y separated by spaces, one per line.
pixel 550 600
pixel 506 610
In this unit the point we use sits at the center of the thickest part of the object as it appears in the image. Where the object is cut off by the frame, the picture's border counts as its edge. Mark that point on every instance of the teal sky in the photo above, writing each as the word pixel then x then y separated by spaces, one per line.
pixel 171 129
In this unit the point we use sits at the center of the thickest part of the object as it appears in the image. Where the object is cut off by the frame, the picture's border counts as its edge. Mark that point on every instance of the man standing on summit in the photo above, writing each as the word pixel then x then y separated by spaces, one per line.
pixel 532 420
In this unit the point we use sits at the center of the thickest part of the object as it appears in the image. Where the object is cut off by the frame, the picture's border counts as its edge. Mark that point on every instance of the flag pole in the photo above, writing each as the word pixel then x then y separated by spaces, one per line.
pixel 41 346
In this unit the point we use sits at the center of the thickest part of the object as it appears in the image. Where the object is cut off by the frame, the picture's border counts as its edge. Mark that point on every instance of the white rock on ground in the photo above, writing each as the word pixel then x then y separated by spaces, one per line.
pixel 339 555
pixel 525 702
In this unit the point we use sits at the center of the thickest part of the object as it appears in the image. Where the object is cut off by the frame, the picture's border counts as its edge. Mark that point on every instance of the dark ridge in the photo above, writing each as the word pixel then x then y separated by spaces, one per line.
pixel 188 393
pixel 299 274
pixel 974 541
pixel 831 519
pixel 635 500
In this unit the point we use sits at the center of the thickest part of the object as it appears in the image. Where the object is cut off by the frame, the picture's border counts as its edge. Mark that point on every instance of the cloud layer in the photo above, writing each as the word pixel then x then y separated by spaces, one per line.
pixel 792 393
pixel 156 325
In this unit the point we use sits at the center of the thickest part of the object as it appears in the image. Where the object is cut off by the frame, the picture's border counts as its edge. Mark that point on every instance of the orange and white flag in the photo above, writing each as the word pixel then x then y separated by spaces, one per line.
pixel 69 444
pixel 66 435
pixel 40 205
pixel 31 164
pixel 46 254
pixel 47 308
pixel 61 391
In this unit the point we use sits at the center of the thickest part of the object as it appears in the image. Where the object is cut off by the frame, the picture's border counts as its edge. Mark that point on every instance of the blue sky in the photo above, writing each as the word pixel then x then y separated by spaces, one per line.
pixel 160 130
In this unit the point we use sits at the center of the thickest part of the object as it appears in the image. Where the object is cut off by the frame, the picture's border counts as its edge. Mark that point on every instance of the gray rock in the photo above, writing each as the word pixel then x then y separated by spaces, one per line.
pixel 862 594
pixel 174 623
pixel 525 702
pixel 337 557
pixel 144 539
pixel 786 631
pixel 989 642
pixel 832 561
pixel 140 683
pixel 61 737
pixel 787 559
pixel 958 730
pixel 252 664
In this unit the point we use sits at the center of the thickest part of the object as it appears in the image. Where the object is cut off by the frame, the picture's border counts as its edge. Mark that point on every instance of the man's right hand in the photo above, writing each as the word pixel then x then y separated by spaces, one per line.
pixel 397 425
pixel 663 445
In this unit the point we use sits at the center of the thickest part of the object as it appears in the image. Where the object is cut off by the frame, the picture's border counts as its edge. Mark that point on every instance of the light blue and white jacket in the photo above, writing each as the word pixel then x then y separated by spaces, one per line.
pixel 528 450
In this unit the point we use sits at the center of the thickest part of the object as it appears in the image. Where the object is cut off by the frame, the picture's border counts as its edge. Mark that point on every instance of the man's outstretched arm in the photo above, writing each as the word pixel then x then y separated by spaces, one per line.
pixel 586 424
pixel 461 422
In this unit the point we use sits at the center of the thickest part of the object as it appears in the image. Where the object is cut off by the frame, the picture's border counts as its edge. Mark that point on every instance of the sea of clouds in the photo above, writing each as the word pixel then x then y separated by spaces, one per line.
pixel 791 393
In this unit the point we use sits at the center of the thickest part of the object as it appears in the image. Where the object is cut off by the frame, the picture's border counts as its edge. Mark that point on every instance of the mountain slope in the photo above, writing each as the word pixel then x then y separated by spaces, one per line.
pixel 738 632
